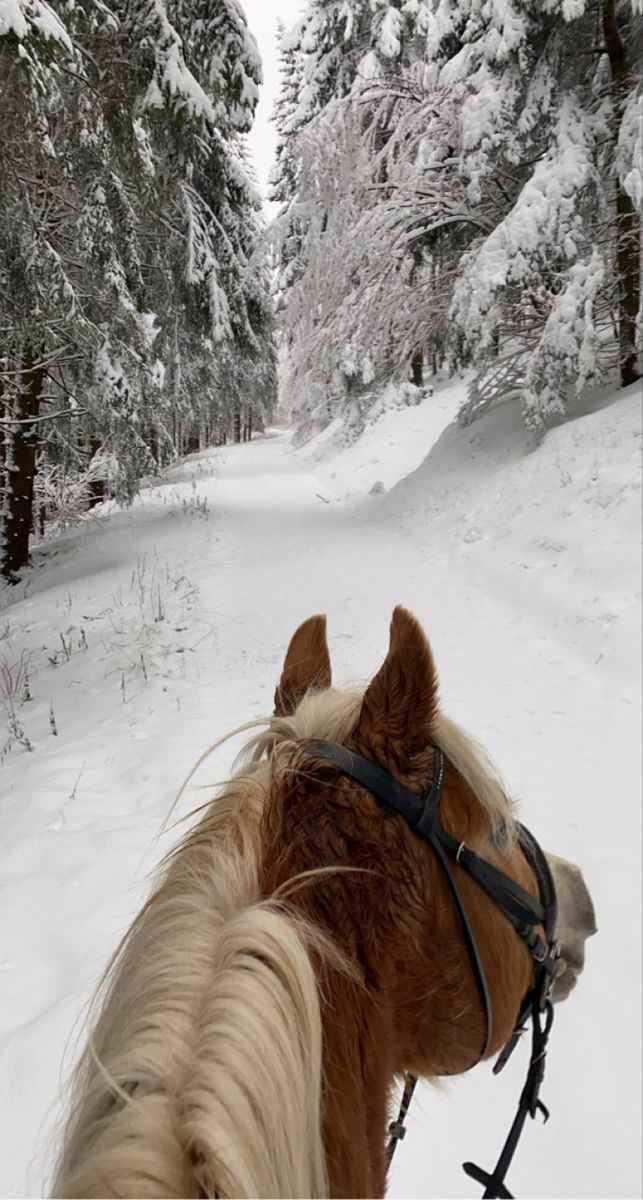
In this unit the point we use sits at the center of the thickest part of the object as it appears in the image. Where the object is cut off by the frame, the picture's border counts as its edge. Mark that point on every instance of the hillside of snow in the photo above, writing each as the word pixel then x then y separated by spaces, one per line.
pixel 144 635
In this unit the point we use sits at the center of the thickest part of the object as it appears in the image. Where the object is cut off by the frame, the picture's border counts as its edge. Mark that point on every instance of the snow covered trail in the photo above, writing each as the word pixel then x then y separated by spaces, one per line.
pixel 152 632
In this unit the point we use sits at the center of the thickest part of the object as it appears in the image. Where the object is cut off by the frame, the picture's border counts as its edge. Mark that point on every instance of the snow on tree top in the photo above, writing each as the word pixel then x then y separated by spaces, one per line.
pixel 25 17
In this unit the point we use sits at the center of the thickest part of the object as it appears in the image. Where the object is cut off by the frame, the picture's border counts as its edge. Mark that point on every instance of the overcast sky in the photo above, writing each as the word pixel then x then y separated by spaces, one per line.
pixel 262 18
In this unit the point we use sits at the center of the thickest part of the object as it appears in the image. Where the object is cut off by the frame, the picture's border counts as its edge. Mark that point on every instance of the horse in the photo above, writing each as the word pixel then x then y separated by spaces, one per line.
pixel 301 951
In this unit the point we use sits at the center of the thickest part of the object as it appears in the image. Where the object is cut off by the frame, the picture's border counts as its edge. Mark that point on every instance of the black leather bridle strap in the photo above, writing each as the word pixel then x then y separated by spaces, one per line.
pixel 397 1128
pixel 472 946
pixel 542 871
pixel 528 1106
pixel 418 813
pixel 518 904
pixel 421 815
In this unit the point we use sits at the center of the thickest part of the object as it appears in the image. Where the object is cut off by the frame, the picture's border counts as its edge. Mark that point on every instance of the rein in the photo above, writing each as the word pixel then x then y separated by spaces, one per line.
pixel 518 906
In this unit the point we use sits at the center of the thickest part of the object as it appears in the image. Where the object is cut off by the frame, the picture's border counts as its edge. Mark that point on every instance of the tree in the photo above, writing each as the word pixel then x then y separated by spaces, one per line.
pixel 131 274
pixel 37 291
pixel 480 201
pixel 333 62
pixel 627 117
pixel 546 278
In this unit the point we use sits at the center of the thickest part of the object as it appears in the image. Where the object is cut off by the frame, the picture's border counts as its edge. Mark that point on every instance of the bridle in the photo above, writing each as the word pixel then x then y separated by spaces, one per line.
pixel 520 908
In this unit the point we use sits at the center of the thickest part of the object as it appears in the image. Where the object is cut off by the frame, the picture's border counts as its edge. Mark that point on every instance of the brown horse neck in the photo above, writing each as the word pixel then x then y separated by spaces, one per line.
pixel 358 1066
pixel 358 1009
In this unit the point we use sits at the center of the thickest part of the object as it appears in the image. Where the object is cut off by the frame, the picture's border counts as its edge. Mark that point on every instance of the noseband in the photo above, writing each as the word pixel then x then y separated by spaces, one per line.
pixel 520 908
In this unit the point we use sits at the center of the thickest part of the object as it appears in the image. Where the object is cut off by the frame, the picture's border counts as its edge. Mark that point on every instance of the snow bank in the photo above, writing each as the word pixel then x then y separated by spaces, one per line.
pixel 395 441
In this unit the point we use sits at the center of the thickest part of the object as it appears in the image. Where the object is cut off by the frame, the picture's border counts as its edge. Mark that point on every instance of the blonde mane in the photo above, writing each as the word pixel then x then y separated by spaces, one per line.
pixel 473 763
pixel 202 1076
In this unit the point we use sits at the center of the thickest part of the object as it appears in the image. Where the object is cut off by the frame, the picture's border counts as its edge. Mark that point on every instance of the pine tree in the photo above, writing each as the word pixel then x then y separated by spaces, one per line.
pixel 624 54
pixel 286 118
pixel 38 292
pixel 129 264
pixel 478 201
pixel 544 277
pixel 332 61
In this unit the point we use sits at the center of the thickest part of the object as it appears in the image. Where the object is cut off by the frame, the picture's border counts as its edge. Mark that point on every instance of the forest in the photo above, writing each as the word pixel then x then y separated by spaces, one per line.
pixel 457 185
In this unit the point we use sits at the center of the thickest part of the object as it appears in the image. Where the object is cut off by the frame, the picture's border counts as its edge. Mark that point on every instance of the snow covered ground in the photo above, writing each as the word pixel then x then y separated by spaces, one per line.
pixel 149 633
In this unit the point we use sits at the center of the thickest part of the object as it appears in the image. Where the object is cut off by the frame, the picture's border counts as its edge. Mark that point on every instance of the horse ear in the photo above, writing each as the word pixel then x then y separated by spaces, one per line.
pixel 307 666
pixel 400 705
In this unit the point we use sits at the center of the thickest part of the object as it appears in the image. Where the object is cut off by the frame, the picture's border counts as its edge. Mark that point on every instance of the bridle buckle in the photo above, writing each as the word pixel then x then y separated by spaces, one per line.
pixel 550 975
pixel 541 953
pixel 397 1130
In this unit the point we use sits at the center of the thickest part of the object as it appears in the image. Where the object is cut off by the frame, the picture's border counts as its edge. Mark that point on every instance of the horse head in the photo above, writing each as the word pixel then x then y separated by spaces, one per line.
pixel 417 1006
pixel 358 903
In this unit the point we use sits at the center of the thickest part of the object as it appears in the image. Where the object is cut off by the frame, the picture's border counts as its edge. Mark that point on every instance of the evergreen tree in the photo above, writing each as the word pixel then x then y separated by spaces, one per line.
pixel 130 276
pixel 480 202
pixel 545 277
pixel 332 62
pixel 286 118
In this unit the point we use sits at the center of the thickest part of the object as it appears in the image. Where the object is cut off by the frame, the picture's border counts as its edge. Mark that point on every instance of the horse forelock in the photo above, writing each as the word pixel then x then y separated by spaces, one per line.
pixel 329 716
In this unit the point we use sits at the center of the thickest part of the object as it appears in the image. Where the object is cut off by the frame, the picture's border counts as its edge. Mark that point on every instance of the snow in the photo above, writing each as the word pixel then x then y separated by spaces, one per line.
pixel 390 33
pixel 152 631
pixel 144 147
pixel 174 74
pixel 369 67
pixel 12 18
pixel 389 448
pixel 21 18
pixel 545 214
pixel 629 153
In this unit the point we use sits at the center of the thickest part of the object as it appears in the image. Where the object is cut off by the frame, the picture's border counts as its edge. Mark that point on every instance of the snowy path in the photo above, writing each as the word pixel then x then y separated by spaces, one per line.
pixel 231 553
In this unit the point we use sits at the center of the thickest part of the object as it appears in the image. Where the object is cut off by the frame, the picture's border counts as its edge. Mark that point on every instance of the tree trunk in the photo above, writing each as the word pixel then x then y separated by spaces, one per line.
pixel 153 443
pixel 237 427
pixel 417 361
pixel 96 487
pixel 628 234
pixel 417 368
pixel 21 472
pixel 3 448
